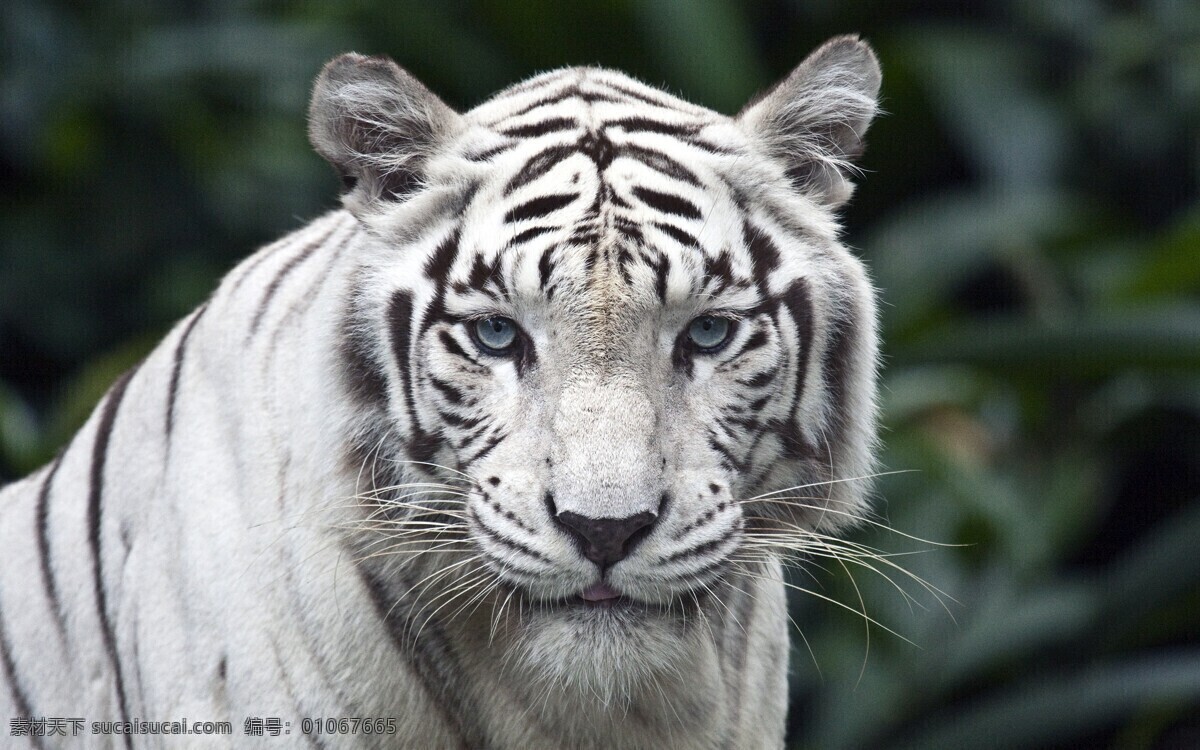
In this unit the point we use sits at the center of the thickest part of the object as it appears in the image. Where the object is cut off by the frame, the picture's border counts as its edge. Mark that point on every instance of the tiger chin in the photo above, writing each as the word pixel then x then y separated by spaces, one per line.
pixel 508 450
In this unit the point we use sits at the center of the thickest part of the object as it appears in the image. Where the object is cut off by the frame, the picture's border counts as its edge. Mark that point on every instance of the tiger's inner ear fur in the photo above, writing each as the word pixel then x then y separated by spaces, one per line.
pixel 376 124
pixel 815 119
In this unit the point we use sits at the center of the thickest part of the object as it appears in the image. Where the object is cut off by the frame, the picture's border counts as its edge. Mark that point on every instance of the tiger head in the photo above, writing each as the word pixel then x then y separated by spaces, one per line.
pixel 625 323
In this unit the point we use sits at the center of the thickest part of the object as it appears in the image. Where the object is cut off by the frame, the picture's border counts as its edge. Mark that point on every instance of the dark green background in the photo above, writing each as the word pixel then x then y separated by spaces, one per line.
pixel 1029 211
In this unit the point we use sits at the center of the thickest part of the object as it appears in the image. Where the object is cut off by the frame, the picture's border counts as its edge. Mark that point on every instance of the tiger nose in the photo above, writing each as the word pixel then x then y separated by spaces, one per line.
pixel 606 541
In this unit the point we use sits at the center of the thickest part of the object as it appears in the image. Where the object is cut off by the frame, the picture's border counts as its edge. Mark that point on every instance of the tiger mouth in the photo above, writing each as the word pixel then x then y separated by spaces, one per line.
pixel 616 603
pixel 601 597
pixel 600 593
pixel 612 601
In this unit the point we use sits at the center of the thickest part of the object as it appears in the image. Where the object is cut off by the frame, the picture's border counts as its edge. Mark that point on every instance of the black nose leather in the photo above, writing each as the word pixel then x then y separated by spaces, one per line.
pixel 607 540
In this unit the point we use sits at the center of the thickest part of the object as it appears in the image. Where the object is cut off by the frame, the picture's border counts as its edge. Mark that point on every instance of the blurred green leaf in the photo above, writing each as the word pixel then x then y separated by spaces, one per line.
pixel 707 48
pixel 20 436
pixel 1047 708
pixel 1169 267
pixel 920 253
pixel 981 81
pixel 1096 344
pixel 1158 571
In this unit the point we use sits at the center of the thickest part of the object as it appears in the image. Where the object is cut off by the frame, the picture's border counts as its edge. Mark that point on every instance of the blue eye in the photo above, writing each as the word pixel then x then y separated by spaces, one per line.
pixel 708 332
pixel 496 335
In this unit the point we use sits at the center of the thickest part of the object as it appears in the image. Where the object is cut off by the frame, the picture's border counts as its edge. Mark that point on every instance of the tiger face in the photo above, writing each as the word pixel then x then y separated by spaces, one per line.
pixel 623 324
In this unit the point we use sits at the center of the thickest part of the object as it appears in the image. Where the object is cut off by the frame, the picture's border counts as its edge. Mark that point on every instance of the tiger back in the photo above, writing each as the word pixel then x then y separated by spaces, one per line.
pixel 508 450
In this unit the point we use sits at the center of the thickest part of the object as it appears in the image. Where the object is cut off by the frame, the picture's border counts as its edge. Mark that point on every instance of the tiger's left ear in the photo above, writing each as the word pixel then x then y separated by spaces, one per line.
pixel 377 125
pixel 815 119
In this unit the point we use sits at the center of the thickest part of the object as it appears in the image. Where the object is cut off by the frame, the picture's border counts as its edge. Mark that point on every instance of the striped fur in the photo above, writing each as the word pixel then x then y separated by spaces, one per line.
pixel 323 496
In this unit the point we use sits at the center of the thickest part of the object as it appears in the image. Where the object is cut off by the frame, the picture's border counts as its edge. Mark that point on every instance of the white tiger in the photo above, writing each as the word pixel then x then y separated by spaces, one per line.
pixel 506 451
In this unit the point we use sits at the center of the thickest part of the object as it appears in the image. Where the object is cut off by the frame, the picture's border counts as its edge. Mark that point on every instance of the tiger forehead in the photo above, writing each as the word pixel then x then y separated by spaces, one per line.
pixel 598 194
pixel 590 245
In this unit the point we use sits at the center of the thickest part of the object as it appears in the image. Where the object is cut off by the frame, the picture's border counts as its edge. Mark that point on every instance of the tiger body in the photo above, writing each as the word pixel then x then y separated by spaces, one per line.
pixel 324 496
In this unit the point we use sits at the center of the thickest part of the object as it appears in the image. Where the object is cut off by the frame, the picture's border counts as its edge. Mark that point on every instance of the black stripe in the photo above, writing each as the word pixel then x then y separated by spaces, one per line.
pixel 400 321
pixel 526 356
pixel 303 300
pixel 569 92
pixel 758 404
pixel 255 261
pixel 727 456
pixel 431 658
pixel 586 235
pixel 441 262
pixel 506 541
pixel 837 364
pixel 700 549
pixel 533 130
pixel 486 449
pixel 589 261
pixel 624 258
pixel 718 271
pixel 481 273
pixel 488 154
pixel 449 392
pixel 764 257
pixel 659 162
pixel 799 306
pixel 662 100
pixel 598 148
pixel 177 367
pixel 528 234
pixel 104 430
pixel 591 97
pixel 628 230
pixel 555 98
pixel 20 700
pixel 362 375
pixel 539 206
pixel 289 266
pixel 452 346
pixel 472 437
pixel 798 303
pixel 760 380
pixel 756 340
pixel 794 443
pixel 698 573
pixel 43 545
pixel 662 272
pixel 649 125
pixel 457 420
pixel 538 166
pixel 667 203
pixel 680 236
pixel 750 426
pixel 508 514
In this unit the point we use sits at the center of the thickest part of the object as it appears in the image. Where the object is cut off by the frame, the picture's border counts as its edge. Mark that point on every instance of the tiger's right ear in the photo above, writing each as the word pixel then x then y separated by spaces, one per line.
pixel 377 126
pixel 814 120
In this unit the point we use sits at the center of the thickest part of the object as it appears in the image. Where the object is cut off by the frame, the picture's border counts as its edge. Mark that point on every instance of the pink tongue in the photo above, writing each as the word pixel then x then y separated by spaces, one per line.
pixel 599 592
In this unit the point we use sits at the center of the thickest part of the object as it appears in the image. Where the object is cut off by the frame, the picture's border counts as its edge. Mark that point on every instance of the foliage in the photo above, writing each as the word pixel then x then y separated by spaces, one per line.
pixel 1029 212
